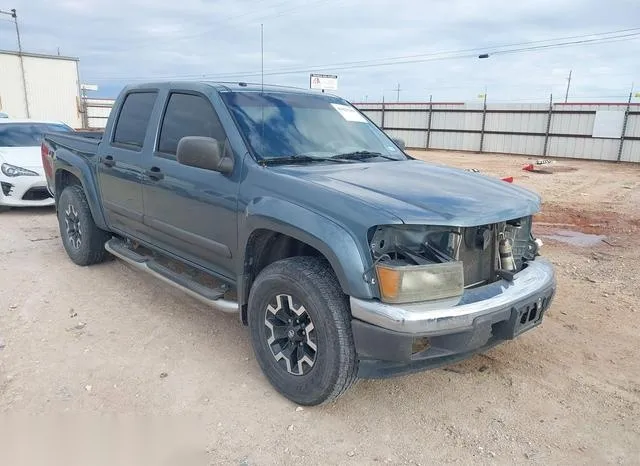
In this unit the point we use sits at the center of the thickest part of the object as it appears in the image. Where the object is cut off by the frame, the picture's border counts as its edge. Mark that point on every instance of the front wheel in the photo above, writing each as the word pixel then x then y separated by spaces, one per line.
pixel 300 327
pixel 82 239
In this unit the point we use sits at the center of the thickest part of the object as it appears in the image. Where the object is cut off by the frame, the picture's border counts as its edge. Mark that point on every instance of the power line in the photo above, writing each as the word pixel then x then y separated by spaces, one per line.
pixel 577 42
pixel 371 65
pixel 435 56
pixel 475 49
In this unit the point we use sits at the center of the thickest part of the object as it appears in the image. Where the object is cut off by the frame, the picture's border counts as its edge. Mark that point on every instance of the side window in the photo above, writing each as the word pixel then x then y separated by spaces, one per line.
pixel 188 115
pixel 133 120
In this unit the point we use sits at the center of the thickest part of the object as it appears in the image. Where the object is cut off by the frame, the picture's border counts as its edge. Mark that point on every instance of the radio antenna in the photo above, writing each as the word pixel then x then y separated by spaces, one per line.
pixel 262 85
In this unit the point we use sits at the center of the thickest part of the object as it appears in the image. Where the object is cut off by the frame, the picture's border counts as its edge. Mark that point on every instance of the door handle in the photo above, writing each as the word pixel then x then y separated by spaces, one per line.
pixel 108 161
pixel 154 173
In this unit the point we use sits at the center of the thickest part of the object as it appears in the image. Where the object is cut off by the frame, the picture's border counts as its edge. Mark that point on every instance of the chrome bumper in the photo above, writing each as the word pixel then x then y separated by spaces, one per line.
pixel 536 283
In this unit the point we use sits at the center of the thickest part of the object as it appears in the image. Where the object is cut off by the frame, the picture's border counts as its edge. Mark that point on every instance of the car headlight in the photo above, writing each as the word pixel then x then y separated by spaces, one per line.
pixel 412 283
pixel 12 170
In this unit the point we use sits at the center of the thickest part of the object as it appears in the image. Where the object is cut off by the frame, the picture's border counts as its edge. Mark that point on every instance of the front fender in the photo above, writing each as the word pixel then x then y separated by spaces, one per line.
pixel 342 250
pixel 80 168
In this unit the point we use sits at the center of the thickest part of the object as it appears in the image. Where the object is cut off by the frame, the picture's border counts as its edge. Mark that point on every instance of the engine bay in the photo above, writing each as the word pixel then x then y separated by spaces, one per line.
pixel 488 252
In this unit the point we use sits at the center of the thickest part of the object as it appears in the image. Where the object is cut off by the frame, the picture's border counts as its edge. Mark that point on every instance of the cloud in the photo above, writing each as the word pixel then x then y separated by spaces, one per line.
pixel 119 41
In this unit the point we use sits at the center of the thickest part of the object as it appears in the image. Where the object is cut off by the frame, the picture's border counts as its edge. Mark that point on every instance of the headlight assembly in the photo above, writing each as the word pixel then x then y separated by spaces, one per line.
pixel 12 170
pixel 411 283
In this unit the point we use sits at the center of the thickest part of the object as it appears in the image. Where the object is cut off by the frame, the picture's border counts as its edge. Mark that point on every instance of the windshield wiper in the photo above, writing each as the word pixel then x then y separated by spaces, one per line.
pixel 294 159
pixel 362 155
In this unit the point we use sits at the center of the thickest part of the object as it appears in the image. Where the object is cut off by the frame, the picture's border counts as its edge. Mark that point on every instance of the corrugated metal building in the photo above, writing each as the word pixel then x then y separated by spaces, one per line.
pixel 52 87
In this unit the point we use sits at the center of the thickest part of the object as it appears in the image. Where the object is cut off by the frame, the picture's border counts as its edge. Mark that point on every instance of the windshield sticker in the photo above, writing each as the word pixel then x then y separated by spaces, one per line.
pixel 348 113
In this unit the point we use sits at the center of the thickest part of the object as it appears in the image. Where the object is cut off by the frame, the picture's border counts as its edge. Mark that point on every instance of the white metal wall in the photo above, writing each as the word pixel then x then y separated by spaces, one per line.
pixel 457 126
pixel 52 87
pixel 510 128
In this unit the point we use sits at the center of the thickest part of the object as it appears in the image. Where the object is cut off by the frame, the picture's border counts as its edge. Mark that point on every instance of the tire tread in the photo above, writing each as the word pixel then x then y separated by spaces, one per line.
pixel 95 252
pixel 317 271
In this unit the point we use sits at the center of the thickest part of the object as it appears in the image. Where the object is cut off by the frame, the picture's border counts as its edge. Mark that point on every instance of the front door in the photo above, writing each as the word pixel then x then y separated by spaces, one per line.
pixel 120 168
pixel 191 211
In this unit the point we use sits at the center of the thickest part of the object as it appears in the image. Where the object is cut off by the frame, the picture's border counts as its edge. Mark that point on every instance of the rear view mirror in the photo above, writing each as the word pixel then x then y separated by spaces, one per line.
pixel 400 143
pixel 203 152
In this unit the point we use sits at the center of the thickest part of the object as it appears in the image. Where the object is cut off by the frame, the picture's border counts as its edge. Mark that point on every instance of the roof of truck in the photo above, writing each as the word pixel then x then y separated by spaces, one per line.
pixel 236 86
pixel 244 86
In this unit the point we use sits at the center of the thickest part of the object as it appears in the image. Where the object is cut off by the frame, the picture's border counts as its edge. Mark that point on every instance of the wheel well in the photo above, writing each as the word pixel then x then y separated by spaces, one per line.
pixel 64 179
pixel 265 247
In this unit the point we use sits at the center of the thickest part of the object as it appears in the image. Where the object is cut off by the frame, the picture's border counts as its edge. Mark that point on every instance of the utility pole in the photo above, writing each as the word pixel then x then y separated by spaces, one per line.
pixel 398 91
pixel 14 15
pixel 624 124
pixel 484 118
pixel 566 95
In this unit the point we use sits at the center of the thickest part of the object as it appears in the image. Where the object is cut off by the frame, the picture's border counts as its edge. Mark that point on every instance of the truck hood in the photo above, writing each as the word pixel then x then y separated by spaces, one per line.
pixel 25 157
pixel 421 193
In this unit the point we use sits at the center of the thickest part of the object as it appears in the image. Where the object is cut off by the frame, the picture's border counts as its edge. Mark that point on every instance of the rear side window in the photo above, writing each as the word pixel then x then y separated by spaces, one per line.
pixel 188 115
pixel 133 120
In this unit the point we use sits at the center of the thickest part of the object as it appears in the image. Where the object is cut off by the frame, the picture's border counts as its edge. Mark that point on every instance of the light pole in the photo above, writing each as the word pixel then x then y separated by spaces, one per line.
pixel 14 15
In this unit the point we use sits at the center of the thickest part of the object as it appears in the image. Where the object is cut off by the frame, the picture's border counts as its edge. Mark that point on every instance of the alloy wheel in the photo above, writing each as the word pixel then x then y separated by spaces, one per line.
pixel 72 221
pixel 290 335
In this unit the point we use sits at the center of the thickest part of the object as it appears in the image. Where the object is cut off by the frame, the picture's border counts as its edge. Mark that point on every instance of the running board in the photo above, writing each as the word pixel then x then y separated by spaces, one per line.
pixel 212 297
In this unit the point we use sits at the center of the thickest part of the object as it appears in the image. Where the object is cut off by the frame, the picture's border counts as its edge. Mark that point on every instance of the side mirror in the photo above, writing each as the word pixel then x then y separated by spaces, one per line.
pixel 203 152
pixel 400 143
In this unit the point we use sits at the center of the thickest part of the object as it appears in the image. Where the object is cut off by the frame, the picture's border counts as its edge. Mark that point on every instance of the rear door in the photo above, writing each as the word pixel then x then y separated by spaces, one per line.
pixel 191 211
pixel 120 165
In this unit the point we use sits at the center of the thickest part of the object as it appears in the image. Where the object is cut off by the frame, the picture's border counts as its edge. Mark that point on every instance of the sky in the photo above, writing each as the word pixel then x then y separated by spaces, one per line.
pixel 125 41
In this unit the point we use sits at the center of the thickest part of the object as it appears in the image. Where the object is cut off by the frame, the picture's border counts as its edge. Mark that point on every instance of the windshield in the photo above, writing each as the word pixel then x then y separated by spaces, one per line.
pixel 27 134
pixel 281 124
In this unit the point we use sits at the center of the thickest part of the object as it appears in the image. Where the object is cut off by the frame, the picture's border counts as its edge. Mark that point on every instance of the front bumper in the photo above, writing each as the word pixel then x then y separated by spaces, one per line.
pixel 396 339
pixel 24 191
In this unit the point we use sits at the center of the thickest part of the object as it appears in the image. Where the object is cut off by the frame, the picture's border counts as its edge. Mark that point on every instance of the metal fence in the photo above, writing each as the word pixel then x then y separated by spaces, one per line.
pixel 97 112
pixel 609 131
pixel 541 130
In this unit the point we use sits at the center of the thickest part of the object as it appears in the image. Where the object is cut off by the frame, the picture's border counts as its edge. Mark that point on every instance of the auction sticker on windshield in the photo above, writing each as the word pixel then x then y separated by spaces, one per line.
pixel 348 113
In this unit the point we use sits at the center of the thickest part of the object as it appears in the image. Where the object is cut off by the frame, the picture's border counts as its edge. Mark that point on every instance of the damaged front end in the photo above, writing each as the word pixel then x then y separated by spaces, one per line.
pixel 414 263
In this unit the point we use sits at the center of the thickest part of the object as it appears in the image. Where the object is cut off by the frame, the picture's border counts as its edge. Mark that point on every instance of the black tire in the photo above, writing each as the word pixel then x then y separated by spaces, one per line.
pixel 84 243
pixel 310 282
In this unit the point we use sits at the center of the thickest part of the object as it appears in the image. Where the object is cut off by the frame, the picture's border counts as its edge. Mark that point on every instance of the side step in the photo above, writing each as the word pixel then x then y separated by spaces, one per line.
pixel 211 296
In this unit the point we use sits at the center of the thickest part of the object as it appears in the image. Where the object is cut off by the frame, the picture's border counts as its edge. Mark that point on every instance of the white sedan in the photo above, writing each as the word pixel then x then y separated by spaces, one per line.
pixel 22 179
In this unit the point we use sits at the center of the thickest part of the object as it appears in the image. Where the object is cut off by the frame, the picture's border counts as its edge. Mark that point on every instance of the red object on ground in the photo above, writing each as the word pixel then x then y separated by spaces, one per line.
pixel 528 168
pixel 508 179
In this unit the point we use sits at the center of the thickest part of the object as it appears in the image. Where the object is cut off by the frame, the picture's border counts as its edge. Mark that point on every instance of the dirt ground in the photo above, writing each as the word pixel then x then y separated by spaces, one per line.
pixel 105 340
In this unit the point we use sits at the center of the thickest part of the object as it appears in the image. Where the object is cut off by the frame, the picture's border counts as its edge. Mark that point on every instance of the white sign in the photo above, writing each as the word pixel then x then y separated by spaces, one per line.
pixel 89 87
pixel 349 113
pixel 323 82
pixel 608 124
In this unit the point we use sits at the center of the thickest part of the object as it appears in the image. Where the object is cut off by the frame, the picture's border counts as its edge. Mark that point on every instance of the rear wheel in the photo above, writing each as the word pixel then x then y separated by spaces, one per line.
pixel 82 239
pixel 301 330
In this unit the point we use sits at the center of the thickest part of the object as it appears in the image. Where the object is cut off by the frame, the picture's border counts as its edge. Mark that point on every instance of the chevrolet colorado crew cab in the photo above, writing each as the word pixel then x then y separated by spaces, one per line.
pixel 344 256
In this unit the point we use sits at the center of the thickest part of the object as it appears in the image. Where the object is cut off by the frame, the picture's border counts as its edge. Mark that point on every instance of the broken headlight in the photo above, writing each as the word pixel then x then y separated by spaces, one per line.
pixel 411 283
pixel 417 263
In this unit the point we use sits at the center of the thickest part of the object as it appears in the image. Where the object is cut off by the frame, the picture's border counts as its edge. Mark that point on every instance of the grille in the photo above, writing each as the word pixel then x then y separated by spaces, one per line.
pixel 36 194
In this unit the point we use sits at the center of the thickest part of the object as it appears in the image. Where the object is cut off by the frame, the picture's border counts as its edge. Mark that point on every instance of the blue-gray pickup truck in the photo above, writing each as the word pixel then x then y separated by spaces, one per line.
pixel 345 257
